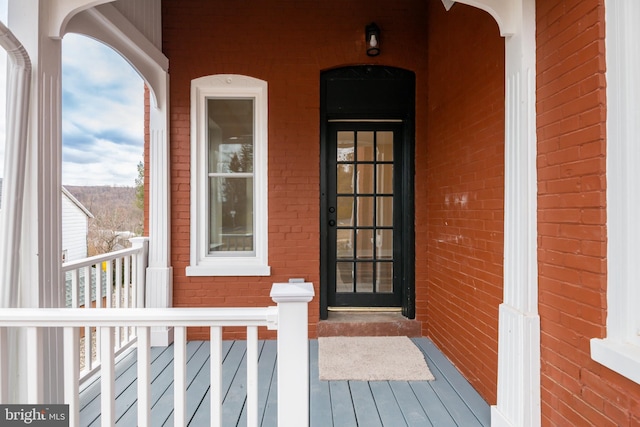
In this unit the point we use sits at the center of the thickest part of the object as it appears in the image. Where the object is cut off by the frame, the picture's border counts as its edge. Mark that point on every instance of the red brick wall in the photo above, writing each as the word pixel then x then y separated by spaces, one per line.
pixel 572 219
pixel 460 200
pixel 287 43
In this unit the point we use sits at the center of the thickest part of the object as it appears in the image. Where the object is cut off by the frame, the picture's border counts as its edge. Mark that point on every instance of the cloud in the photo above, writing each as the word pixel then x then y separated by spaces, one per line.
pixel 102 115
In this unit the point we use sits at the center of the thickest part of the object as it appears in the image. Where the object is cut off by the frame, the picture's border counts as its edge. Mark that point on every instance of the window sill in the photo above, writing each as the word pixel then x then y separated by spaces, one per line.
pixel 621 357
pixel 227 269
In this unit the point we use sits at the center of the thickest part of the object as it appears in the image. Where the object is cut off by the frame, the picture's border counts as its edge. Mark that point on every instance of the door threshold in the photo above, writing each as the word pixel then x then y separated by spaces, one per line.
pixel 367 309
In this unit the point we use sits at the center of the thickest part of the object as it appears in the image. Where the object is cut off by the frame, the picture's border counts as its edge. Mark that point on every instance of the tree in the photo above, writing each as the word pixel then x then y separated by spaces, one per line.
pixel 140 187
pixel 107 231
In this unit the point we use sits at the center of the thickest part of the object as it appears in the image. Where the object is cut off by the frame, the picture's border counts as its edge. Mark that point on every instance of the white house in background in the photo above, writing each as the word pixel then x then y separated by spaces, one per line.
pixel 75 227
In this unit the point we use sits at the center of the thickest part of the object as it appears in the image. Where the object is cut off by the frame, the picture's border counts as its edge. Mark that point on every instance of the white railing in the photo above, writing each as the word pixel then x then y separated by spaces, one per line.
pixel 289 317
pixel 111 280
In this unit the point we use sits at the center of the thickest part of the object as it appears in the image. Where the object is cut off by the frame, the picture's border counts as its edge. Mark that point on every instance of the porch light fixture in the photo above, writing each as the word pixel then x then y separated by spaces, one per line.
pixel 372 36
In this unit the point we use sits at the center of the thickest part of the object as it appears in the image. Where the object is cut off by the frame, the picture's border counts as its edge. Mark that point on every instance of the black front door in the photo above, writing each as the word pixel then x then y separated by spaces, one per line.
pixel 366 207
pixel 365 228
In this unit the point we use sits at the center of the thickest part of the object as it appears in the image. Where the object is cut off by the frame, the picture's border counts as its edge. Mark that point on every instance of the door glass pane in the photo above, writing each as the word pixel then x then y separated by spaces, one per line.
pixel 384 215
pixel 384 146
pixel 344 277
pixel 384 244
pixel 345 212
pixel 230 214
pixel 365 211
pixel 364 277
pixel 344 244
pixel 365 179
pixel 365 146
pixel 346 147
pixel 384 277
pixel 344 178
pixel 384 178
pixel 364 244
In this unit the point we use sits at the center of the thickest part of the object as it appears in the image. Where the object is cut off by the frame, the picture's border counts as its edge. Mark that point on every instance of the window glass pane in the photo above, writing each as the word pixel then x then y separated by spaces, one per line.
pixel 230 214
pixel 230 135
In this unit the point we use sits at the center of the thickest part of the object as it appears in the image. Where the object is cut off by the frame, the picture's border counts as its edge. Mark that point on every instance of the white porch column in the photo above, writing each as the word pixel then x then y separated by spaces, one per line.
pixel 41 281
pixel 293 352
pixel 519 323
pixel 160 273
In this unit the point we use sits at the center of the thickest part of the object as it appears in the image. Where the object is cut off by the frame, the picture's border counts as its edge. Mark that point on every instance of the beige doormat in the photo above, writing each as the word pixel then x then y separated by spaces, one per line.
pixel 371 359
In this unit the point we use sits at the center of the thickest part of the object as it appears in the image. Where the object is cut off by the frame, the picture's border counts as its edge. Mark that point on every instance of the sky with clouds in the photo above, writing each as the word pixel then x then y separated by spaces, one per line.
pixel 102 113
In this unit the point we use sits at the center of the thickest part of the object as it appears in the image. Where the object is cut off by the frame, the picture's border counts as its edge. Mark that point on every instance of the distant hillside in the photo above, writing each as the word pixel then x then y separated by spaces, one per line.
pixel 97 198
pixel 114 210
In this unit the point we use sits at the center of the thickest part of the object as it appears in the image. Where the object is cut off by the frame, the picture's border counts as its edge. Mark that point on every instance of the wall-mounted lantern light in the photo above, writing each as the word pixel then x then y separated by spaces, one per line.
pixel 372 36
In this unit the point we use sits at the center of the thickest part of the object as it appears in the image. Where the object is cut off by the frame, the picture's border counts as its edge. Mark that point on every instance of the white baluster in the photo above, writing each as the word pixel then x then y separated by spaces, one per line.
pixel 107 380
pixel 180 376
pixel 252 376
pixel 34 362
pixel 144 377
pixel 72 374
pixel 216 376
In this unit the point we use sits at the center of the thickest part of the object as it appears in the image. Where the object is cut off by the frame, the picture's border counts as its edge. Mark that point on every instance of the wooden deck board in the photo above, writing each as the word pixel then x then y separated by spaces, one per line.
pixel 448 401
pixel 388 408
pixel 341 404
pixel 412 411
pixel 364 404
pixel 455 388
pixel 159 365
pixel 320 404
pixel 433 407
pixel 162 408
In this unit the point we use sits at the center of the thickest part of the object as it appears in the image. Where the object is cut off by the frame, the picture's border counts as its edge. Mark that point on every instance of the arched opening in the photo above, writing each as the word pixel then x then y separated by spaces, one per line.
pixel 102 146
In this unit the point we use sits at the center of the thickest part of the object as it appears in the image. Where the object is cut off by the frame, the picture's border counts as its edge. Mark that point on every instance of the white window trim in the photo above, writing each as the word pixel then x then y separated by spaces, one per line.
pixel 201 263
pixel 620 350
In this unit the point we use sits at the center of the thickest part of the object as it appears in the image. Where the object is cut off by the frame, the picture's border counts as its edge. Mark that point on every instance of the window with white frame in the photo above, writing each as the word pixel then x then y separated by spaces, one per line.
pixel 620 350
pixel 228 176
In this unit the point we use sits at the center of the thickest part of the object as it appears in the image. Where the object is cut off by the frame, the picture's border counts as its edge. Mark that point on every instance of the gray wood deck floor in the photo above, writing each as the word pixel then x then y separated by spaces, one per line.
pixel 448 401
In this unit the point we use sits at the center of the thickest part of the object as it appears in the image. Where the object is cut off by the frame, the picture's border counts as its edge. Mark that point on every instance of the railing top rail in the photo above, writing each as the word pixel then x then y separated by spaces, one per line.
pixel 97 259
pixel 115 317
